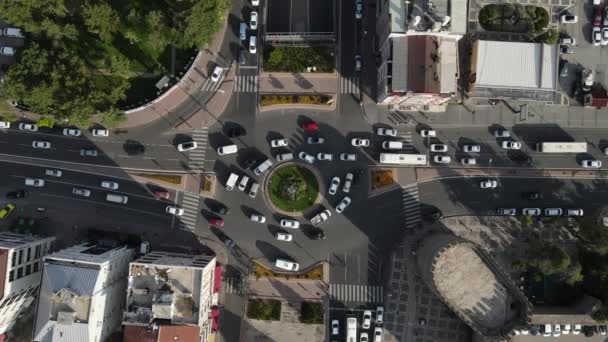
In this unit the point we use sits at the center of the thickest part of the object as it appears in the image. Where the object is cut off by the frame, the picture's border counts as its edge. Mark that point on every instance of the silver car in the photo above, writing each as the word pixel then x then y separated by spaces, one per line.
pixel 344 203
pixel 348 157
pixel 333 185
pixel 325 156
pixel 472 148
pixel 347 182
pixel 284 157
pixel 71 132
pixel 306 157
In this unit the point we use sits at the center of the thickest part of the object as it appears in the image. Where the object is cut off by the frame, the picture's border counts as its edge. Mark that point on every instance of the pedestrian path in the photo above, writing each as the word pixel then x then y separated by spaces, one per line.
pixel 196 157
pixel 411 205
pixel 349 85
pixel 246 84
pixel 234 285
pixel 356 293
pixel 211 86
pixel 190 204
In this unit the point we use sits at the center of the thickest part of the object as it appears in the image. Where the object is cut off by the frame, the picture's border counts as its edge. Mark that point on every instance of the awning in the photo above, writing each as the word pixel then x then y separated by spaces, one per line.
pixel 217 279
pixel 215 314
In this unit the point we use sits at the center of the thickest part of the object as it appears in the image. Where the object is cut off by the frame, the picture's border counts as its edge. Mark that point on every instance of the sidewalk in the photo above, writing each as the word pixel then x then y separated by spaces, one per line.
pixel 429 173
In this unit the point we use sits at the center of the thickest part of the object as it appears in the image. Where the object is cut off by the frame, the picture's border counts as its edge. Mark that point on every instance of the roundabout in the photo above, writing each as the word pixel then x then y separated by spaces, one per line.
pixel 292 188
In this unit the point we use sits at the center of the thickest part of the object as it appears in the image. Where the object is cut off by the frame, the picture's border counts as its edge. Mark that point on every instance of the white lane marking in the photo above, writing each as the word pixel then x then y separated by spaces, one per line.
pixel 106 204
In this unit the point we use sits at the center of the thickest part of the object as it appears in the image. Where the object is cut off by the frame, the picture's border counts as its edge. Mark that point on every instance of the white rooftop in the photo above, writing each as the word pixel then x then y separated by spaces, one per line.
pixel 516 65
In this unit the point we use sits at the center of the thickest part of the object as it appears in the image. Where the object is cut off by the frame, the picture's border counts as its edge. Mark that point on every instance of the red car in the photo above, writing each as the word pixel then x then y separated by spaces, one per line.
pixel 310 126
pixel 597 18
pixel 218 222
pixel 161 195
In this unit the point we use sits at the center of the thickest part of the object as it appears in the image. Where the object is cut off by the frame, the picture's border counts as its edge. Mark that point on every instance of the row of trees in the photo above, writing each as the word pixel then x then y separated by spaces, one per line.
pixel 75 64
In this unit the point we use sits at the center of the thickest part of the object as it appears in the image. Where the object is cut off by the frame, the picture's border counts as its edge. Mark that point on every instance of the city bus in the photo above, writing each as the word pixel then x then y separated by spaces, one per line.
pixel 403 158
pixel 561 147
pixel 351 329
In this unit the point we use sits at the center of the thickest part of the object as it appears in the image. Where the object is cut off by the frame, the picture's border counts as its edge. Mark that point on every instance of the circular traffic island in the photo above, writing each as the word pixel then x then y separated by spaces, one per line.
pixel 292 188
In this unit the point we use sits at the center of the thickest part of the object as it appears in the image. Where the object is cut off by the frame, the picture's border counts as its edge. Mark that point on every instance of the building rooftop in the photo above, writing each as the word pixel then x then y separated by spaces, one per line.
pixel 178 333
pixel 428 15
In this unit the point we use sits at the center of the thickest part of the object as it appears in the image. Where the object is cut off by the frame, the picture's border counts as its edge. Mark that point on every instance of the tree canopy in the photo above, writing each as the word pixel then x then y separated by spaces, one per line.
pixel 81 56
pixel 548 258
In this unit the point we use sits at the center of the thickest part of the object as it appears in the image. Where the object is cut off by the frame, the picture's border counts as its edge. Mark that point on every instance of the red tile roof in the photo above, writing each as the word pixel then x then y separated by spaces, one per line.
pixel 133 333
pixel 178 333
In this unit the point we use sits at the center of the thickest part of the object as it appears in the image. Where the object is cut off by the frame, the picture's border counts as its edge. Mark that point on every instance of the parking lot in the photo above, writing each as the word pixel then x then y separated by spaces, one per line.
pixel 585 55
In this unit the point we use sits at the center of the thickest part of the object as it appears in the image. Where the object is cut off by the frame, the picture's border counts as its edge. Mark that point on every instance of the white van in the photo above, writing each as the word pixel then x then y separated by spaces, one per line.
pixel 117 198
pixel 231 181
pixel 392 145
pixel 243 31
pixel 228 149
pixel 253 191
pixel 243 183
pixel 262 167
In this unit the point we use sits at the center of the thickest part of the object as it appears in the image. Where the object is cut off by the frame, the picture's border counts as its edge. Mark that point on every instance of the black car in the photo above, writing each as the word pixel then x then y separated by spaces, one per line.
pixel 318 235
pixel 221 209
pixel 17 194
pixel 248 163
pixel 533 196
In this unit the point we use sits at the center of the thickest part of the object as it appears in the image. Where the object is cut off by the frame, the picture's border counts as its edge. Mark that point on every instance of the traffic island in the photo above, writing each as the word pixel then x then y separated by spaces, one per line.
pixel 292 188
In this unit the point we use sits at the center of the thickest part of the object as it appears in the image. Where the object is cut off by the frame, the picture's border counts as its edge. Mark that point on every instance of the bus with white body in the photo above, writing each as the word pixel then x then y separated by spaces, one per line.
pixel 351 329
pixel 403 158
pixel 562 147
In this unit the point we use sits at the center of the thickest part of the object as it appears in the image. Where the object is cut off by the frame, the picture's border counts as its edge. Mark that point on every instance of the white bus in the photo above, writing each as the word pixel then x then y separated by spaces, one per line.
pixel 351 329
pixel 403 158
pixel 562 147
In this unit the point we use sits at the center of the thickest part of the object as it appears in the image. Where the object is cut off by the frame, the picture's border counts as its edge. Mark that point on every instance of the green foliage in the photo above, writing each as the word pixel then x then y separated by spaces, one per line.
pixel 525 219
pixel 9 116
pixel 293 188
pixel 519 266
pixel 513 18
pixel 574 274
pixel 548 37
pixel 548 258
pixel 264 309
pixel 204 20
pixel 311 313
pixel 297 59
pixel 45 121
pixel 100 19
pixel 112 117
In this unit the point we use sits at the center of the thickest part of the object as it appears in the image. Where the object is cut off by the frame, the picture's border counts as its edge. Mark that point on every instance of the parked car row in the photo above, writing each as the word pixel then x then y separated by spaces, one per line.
pixel 549 212
pixel 69 132
pixel 366 324
pixel 599 32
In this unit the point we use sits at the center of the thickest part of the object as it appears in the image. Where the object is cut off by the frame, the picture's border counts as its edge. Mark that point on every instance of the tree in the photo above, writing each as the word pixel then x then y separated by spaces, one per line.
pixel 549 37
pixel 101 20
pixel 203 21
pixel 548 258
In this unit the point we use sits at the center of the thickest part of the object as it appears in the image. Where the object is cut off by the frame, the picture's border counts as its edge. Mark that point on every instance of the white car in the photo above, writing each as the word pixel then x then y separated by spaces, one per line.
pixel 596 36
pixel 358 9
pixel 278 142
pixel 325 156
pixel 187 146
pixel 174 210
pixel 377 334
pixel 257 218
pixel 557 330
pixel 506 211
pixel 367 319
pixel 553 211
pixel 72 132
pixel 89 152
pixel 41 144
pixel 567 41
pixel 81 192
pixel 253 44
pixel 468 161
pixel 472 148
pixel 255 3
pixel 439 148
pixel 100 132
pixel 28 127
pixel 348 157
pixel 358 63
pixel 502 133
pixel 605 35
pixel 427 133
pixel 293 224
pixel 380 315
pixel 347 182
pixel 284 157
pixel 591 164
pixel 568 19
pixel 530 211
pixel 488 184
pixel 344 203
pixel 441 159
pixel 5 125
pixel 315 140
pixel 53 172
pixel 217 73
pixel 35 182
pixel 109 185
pixel 574 212
pixel 335 327
pixel 287 265
pixel 359 142
pixel 306 157
pixel 333 185
pixel 243 183
pixel 284 237
pixel 253 21
pixel 511 145
pixel 577 329
pixel 364 337
pixel 389 132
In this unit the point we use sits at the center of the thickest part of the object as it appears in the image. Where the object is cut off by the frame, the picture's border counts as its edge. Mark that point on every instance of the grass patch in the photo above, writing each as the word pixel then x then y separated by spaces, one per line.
pixel 513 18
pixel 269 100
pixel 171 179
pixel 207 183
pixel 382 178
pixel 298 59
pixel 293 188
pixel 260 271
pixel 311 313
pixel 264 309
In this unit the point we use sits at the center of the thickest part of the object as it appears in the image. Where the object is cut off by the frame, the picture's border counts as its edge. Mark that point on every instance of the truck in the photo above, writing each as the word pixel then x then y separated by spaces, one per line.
pixel 403 158
pixel 351 329
pixel 562 147
pixel 320 218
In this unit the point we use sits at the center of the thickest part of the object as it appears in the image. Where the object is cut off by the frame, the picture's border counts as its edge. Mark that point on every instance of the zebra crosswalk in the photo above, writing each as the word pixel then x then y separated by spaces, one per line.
pixel 210 86
pixel 196 157
pixel 356 293
pixel 190 204
pixel 234 285
pixel 349 85
pixel 411 205
pixel 246 84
